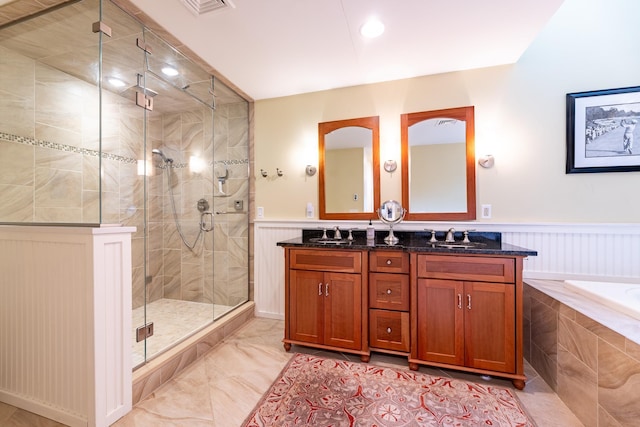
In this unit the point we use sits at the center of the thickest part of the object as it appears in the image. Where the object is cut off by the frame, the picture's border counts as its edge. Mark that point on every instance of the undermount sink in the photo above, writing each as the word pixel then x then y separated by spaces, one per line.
pixel 328 241
pixel 461 245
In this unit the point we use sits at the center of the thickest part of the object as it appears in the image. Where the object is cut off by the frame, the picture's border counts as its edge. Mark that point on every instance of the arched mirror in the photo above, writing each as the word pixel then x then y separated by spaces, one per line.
pixel 349 168
pixel 438 165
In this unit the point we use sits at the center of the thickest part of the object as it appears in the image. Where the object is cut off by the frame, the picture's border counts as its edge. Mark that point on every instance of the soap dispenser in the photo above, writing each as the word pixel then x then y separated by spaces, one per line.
pixel 371 232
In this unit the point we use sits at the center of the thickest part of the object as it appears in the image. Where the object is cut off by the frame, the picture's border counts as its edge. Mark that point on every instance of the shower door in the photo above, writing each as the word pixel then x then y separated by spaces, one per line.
pixel 190 137
pixel 97 129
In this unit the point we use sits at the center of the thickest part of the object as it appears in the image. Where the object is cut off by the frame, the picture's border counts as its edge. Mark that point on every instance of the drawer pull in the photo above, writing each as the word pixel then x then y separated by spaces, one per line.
pixel 388 330
pixel 459 300
pixel 320 289
pixel 388 291
pixel 326 290
pixel 388 262
pixel 469 301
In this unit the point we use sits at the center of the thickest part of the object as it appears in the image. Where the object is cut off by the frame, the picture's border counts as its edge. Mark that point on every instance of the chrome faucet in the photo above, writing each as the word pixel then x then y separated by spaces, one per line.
pixel 450 238
pixel 337 235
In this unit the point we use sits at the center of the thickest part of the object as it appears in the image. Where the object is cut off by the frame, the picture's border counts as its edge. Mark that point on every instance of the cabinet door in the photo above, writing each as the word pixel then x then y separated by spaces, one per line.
pixel 306 305
pixel 343 310
pixel 490 326
pixel 440 321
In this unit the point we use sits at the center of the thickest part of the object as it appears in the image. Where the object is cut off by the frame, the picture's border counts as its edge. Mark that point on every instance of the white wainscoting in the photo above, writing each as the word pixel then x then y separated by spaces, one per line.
pixel 65 337
pixel 565 251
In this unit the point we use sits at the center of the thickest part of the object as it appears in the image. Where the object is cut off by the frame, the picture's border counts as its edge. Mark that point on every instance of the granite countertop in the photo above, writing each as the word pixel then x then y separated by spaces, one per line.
pixel 482 243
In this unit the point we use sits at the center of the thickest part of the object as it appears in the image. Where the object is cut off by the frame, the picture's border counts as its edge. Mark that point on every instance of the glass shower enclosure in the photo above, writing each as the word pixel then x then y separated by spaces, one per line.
pixel 103 122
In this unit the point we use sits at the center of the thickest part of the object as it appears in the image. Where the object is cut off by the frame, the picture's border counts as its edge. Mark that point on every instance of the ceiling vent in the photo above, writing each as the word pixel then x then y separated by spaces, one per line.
pixel 199 7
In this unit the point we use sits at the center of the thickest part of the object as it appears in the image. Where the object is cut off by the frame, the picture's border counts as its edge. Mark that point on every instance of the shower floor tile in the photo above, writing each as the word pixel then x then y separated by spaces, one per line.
pixel 173 320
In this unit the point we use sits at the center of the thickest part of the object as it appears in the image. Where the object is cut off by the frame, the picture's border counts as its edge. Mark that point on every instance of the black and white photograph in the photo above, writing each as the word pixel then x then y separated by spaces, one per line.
pixel 602 131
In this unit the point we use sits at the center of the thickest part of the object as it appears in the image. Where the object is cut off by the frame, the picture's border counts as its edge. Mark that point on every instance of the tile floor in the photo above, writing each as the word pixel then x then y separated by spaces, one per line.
pixel 172 320
pixel 221 389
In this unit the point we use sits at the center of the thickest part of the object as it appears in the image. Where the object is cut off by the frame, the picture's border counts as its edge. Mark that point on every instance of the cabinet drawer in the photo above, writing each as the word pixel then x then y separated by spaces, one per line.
pixel 389 291
pixel 389 330
pixel 501 270
pixel 389 261
pixel 325 260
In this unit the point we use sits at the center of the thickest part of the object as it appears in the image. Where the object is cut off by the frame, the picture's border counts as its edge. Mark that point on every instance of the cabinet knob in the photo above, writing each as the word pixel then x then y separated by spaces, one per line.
pixel 388 262
pixel 388 330
pixel 388 291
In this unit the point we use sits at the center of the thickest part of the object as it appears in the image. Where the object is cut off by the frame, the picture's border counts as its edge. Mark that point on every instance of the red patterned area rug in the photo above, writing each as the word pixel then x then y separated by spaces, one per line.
pixel 313 391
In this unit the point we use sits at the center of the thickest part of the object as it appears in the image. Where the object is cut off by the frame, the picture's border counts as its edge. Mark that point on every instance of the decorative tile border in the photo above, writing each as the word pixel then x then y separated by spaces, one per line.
pixel 95 153
pixel 63 147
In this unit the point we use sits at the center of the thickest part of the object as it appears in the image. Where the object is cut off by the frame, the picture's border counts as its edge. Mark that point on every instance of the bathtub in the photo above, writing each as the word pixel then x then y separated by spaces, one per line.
pixel 623 297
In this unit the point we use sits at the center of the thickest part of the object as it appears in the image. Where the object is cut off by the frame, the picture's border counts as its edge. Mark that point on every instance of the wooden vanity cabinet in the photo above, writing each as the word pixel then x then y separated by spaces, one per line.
pixel 389 319
pixel 326 300
pixel 467 314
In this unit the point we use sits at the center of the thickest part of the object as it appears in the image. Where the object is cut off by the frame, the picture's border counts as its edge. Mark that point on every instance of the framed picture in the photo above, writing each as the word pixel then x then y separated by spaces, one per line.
pixel 602 131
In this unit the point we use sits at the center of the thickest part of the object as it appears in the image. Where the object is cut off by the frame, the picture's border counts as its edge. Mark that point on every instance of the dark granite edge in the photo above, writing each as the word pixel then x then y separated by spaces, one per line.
pixel 488 243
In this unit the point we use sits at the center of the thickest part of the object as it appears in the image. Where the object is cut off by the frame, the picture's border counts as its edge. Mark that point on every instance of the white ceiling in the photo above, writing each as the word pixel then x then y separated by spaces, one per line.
pixel 273 48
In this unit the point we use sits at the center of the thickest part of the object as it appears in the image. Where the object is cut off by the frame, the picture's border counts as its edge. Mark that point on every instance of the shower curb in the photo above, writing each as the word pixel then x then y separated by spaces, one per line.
pixel 158 371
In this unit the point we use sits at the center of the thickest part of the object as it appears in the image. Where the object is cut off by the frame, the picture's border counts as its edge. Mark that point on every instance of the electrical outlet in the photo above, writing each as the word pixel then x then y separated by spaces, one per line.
pixel 485 211
pixel 260 212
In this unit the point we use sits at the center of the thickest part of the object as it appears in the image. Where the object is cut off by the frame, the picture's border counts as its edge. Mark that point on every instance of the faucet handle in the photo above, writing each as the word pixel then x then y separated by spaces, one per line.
pixel 466 235
pixel 324 233
pixel 350 236
pixel 433 235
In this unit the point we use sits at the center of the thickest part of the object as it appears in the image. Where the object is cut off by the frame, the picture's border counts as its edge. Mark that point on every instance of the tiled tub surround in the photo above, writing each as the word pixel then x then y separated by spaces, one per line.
pixel 587 352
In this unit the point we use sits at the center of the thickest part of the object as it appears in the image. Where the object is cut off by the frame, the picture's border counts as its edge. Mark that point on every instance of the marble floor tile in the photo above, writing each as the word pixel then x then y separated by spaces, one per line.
pixel 173 320
pixel 221 388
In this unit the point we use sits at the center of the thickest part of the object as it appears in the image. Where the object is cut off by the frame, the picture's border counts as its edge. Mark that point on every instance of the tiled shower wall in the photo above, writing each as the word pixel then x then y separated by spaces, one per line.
pixel 49 131
pixel 49 172
pixel 220 256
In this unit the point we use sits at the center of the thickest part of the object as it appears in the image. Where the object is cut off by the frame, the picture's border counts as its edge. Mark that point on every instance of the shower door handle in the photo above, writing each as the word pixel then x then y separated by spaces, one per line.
pixel 203 221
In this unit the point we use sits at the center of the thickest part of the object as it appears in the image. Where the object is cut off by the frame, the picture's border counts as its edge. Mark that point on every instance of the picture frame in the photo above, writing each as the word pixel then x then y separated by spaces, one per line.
pixel 603 131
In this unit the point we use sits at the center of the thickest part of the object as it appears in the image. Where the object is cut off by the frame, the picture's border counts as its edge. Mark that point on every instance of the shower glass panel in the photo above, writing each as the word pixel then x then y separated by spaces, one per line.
pixel 49 117
pixel 94 131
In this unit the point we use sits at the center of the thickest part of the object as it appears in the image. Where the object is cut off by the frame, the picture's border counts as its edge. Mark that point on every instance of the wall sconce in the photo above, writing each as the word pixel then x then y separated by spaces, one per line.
pixel 310 170
pixel 390 165
pixel 196 164
pixel 487 161
pixel 145 168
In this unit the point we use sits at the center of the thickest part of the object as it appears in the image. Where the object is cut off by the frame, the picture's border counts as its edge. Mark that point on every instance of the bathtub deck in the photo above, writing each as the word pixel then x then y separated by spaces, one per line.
pixel 621 323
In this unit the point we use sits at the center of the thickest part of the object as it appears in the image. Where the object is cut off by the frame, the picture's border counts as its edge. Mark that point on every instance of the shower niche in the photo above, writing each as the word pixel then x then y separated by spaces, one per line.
pixel 115 126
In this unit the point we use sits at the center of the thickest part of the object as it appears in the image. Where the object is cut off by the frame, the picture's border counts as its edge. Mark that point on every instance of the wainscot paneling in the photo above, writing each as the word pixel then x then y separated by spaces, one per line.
pixel 565 251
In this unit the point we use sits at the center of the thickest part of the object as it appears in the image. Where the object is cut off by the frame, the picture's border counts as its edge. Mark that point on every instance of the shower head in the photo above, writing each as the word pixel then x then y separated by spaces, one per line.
pixel 161 154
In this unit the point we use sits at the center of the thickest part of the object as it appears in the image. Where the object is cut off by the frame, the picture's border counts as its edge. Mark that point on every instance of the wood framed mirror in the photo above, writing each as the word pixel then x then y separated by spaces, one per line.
pixel 349 168
pixel 438 165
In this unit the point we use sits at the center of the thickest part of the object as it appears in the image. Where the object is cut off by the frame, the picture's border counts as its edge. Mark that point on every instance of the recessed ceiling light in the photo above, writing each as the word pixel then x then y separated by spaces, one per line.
pixel 113 81
pixel 372 28
pixel 169 71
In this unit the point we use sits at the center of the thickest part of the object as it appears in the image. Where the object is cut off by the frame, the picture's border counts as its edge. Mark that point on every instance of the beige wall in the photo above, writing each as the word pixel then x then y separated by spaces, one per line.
pixel 520 119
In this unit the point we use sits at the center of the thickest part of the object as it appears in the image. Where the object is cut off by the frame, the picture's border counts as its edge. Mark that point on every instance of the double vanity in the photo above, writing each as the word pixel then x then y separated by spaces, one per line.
pixel 452 304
